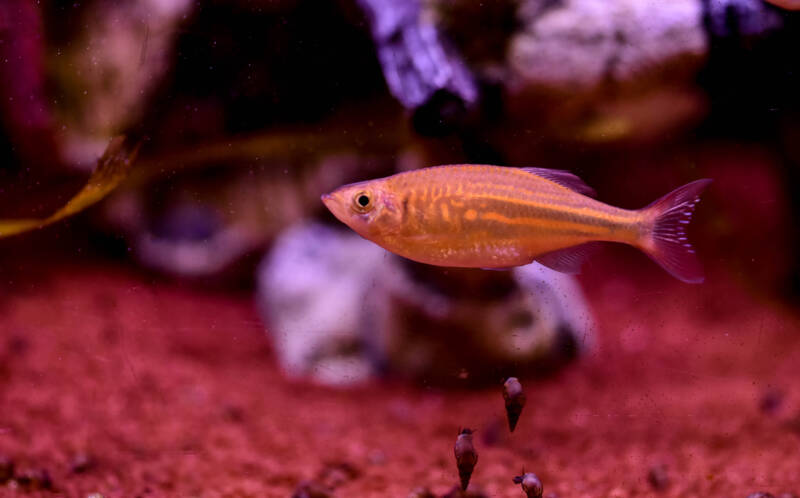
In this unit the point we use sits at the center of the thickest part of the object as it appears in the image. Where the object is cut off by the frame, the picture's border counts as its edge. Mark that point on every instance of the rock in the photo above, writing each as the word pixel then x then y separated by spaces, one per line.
pixel 312 489
pixel 578 44
pixel 771 401
pixel 421 492
pixel 109 69
pixel 658 477
pixel 328 479
pixel 34 479
pixel 334 474
pixel 81 463
pixel 584 71
pixel 471 492
pixel 213 223
pixel 340 310
pixel 191 241
pixel 445 325
pixel 618 71
pixel 734 18
pixel 416 61
pixel 6 469
pixel 311 290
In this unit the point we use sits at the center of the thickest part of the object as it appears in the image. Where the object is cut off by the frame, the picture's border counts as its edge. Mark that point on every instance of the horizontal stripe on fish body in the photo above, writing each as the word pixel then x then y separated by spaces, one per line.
pixel 509 208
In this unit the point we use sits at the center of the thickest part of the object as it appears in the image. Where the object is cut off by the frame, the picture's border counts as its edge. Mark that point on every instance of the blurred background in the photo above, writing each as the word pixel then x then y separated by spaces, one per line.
pixel 210 329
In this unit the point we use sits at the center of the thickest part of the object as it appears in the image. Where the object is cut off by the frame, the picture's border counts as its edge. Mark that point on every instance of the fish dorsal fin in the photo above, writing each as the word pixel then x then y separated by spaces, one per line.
pixel 568 260
pixel 563 178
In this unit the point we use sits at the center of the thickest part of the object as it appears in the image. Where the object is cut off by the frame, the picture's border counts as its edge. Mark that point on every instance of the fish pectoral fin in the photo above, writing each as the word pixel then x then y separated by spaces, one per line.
pixel 568 260
pixel 563 178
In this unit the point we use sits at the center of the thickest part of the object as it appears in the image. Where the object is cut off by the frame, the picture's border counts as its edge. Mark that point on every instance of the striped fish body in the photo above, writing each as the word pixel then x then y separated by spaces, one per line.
pixel 478 216
pixel 495 217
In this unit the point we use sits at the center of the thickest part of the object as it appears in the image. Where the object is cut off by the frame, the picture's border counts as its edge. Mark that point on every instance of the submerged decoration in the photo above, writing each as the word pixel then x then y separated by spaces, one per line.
pixel 111 169
pixel 475 216
pixel 341 310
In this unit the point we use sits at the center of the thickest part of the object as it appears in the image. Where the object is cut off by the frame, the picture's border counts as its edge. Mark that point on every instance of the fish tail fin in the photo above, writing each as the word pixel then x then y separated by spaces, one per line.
pixel 665 240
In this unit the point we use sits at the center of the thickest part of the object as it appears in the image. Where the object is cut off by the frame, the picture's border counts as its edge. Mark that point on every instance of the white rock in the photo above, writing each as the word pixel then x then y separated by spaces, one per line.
pixel 340 310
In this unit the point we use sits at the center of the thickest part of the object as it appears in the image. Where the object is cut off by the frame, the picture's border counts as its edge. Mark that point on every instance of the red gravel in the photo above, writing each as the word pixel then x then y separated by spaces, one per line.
pixel 118 385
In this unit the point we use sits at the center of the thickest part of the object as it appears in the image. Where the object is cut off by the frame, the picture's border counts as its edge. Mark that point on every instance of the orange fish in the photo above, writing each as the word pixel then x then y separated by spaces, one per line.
pixel 786 4
pixel 496 217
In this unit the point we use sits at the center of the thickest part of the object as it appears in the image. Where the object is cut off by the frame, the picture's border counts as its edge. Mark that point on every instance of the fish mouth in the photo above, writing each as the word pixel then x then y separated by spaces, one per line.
pixel 333 206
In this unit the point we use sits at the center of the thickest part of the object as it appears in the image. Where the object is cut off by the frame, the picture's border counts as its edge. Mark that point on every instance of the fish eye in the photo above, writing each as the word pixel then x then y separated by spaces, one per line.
pixel 362 201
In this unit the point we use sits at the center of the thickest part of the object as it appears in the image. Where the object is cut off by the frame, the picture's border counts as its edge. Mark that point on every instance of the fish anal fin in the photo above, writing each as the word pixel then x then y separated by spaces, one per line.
pixel 563 178
pixel 568 260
